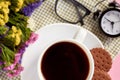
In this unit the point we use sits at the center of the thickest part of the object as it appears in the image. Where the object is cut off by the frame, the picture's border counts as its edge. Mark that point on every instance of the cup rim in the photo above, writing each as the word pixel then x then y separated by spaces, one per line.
pixel 80 44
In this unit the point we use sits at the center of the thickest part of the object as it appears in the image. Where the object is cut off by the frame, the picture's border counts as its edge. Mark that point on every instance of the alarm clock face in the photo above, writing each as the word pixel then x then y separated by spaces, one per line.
pixel 110 22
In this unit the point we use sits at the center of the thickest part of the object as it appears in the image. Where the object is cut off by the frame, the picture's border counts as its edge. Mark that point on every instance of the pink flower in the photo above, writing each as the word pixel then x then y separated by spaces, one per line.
pixel 14 69
pixel 11 67
pixel 15 72
pixel 10 75
pixel 17 58
pixel 32 39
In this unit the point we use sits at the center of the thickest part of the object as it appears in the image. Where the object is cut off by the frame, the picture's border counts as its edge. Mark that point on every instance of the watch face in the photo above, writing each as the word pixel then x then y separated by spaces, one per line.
pixel 110 22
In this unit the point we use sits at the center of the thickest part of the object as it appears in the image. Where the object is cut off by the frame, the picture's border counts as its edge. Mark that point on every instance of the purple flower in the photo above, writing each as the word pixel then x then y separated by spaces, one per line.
pixel 32 39
pixel 27 10
pixel 1 63
pixel 0 54
pixel 22 49
pixel 0 50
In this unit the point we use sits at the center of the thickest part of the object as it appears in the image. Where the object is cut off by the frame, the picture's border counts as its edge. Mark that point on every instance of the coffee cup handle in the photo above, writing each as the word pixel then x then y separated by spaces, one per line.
pixel 80 35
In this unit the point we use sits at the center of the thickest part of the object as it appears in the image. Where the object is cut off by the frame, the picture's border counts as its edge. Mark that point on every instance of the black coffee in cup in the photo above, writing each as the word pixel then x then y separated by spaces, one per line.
pixel 65 61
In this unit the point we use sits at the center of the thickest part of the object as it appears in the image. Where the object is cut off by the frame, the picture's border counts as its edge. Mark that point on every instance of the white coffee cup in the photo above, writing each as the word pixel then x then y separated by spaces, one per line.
pixel 76 42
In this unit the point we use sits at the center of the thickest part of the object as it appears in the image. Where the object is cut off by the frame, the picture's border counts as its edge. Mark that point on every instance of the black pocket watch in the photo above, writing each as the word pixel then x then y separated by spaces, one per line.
pixel 109 20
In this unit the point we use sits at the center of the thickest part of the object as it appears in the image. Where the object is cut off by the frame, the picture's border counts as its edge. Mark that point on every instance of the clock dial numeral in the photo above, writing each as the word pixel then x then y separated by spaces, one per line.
pixel 104 22
pixel 107 30
pixel 117 31
pixel 113 13
pixel 108 14
pixel 103 27
pixel 118 15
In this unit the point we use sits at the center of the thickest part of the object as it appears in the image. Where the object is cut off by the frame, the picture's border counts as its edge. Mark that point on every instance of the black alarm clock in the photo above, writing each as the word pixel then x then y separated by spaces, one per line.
pixel 109 20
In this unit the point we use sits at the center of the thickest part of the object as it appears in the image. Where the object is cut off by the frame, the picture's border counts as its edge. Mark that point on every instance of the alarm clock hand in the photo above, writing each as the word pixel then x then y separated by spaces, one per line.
pixel 112 23
pixel 108 20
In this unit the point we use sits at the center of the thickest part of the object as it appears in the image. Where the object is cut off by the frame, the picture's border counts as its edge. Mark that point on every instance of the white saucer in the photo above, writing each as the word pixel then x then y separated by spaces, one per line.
pixel 46 35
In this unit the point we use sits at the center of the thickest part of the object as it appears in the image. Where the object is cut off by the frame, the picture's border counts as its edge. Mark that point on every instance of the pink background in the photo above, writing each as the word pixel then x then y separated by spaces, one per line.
pixel 115 70
pixel 118 1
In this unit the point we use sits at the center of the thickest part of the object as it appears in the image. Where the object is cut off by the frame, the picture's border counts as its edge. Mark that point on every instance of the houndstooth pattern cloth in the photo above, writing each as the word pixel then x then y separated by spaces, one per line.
pixel 45 15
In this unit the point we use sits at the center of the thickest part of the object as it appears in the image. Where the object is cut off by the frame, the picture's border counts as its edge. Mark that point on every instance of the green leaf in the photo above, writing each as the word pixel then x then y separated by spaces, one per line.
pixel 7 55
pixel 20 21
pixel 8 41
pixel 29 1
pixel 3 30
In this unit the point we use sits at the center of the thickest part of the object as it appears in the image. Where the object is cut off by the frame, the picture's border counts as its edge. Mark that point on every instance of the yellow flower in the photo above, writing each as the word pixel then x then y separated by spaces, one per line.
pixel 2 22
pixel 1 16
pixel 18 39
pixel 14 29
pixel 6 18
pixel 4 8
pixel 17 35
pixel 19 32
pixel 19 5
pixel 13 35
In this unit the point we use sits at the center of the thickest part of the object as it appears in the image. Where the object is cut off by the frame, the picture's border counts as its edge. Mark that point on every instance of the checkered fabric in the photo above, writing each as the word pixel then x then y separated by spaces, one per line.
pixel 45 15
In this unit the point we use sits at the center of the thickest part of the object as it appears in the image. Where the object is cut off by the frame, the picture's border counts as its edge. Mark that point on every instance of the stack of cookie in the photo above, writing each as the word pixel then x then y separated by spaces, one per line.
pixel 103 63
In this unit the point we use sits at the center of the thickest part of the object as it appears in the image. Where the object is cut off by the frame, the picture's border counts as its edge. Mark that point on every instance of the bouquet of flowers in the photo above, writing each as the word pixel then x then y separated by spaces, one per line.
pixel 15 36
